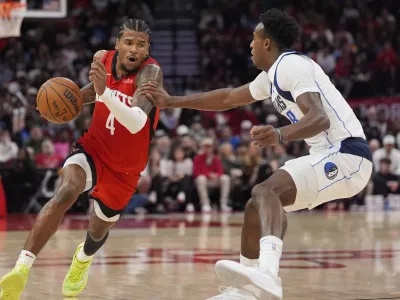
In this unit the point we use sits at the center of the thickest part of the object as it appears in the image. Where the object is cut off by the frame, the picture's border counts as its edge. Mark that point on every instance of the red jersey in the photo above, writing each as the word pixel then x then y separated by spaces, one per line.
pixel 109 140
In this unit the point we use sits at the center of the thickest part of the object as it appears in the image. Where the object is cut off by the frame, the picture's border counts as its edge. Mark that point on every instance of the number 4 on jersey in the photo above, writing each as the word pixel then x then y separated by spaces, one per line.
pixel 110 123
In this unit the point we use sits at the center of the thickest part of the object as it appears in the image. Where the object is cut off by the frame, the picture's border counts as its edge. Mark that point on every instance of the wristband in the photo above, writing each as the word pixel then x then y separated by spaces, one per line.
pixel 280 134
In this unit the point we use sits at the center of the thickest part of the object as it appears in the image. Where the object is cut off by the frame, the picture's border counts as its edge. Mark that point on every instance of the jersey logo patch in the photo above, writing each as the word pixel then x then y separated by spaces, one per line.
pixel 331 170
pixel 279 105
pixel 128 80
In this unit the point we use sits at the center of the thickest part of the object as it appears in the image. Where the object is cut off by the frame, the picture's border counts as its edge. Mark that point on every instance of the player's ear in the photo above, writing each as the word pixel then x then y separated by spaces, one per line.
pixel 267 44
pixel 116 44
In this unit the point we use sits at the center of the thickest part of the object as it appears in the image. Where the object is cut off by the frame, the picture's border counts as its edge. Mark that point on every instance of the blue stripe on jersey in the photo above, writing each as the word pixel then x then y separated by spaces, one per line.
pixel 344 125
pixel 327 137
pixel 285 94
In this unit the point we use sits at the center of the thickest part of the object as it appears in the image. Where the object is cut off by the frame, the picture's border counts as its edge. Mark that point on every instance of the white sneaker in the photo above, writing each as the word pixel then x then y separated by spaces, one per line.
pixel 261 284
pixel 206 208
pixel 231 293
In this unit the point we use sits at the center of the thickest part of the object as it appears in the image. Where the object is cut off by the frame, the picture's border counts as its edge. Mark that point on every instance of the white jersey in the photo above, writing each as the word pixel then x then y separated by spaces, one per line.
pixel 293 74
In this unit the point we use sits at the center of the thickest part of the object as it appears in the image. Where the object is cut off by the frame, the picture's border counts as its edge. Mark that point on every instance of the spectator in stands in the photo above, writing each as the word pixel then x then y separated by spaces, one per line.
pixel 326 60
pixel 169 118
pixel 176 173
pixel 390 152
pixel 8 149
pixel 163 144
pixel 63 145
pixel 208 173
pixel 281 155
pixel 384 123
pixel 372 128
pixel 374 145
pixel 190 145
pixel 48 158
pixel 342 73
pixel 156 189
pixel 35 140
pixel 197 131
pixel 386 62
pixel 229 162
pixel 385 182
pixel 22 182
pixel 211 17
pixel 241 116
pixel 227 137
pixel 245 127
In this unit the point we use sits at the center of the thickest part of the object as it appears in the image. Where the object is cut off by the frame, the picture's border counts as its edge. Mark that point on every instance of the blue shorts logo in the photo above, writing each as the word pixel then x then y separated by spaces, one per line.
pixel 331 170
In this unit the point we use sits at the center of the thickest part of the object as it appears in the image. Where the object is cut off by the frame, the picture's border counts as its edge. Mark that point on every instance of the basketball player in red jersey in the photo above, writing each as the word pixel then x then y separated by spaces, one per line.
pixel 108 158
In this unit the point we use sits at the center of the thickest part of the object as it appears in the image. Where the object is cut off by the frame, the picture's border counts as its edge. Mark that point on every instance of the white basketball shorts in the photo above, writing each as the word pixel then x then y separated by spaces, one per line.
pixel 335 173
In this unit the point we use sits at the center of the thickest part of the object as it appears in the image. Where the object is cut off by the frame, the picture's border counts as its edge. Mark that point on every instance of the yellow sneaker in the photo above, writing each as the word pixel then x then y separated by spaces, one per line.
pixel 77 276
pixel 13 283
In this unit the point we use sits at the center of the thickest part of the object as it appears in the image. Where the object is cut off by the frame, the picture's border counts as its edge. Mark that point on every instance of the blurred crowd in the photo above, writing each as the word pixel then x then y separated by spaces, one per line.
pixel 199 160
pixel 356 42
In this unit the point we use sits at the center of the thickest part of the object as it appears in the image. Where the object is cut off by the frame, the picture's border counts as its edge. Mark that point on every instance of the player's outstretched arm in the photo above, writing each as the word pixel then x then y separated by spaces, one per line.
pixel 216 100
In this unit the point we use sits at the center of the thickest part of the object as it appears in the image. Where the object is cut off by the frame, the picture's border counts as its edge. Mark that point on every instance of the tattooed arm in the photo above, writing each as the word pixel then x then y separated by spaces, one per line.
pixel 148 72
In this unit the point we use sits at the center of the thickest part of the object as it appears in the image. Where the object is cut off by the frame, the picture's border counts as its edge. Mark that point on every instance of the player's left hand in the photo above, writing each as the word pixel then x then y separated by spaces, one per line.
pixel 264 136
pixel 98 75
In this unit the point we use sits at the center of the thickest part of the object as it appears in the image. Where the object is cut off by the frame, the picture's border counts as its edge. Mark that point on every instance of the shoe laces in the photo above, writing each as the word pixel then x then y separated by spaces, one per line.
pixel 8 293
pixel 76 272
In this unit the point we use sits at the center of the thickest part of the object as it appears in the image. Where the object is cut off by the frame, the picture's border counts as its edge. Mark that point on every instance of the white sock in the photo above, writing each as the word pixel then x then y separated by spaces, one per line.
pixel 248 262
pixel 270 253
pixel 82 257
pixel 27 258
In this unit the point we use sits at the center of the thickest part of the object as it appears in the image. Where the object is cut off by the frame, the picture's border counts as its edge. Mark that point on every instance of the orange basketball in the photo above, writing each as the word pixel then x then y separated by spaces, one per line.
pixel 59 100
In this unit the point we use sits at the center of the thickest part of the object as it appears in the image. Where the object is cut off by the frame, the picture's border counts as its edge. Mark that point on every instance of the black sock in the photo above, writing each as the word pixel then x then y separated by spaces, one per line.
pixel 91 247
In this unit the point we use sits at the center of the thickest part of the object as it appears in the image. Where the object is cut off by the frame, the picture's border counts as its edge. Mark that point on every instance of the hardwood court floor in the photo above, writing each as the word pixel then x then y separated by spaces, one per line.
pixel 326 256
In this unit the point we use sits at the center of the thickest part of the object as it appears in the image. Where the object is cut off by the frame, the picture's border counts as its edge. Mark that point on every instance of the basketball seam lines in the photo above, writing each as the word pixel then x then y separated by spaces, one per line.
pixel 61 99
pixel 66 86
pixel 48 105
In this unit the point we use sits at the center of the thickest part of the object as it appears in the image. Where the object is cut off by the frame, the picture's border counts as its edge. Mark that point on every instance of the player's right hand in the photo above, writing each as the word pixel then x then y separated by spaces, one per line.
pixel 264 136
pixel 155 94
pixel 98 75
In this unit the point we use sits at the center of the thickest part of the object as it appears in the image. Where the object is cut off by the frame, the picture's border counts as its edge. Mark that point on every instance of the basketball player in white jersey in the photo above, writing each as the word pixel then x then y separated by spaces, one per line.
pixel 339 164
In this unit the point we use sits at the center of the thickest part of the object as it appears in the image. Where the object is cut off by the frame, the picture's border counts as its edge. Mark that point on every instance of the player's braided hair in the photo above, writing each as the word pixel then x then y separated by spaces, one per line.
pixel 280 27
pixel 135 25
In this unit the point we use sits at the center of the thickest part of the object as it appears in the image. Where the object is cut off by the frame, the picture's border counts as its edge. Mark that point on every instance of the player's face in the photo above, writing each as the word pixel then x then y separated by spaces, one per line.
pixel 259 46
pixel 133 47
